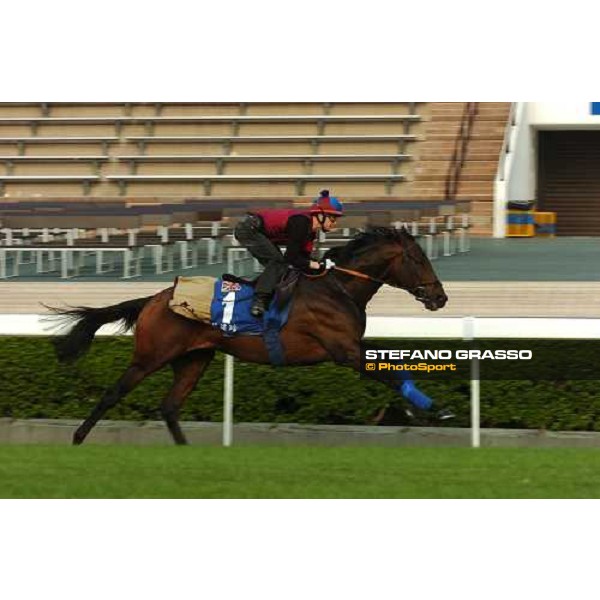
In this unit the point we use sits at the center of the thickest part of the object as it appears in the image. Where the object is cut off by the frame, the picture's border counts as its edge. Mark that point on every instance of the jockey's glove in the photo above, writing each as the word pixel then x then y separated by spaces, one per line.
pixel 318 271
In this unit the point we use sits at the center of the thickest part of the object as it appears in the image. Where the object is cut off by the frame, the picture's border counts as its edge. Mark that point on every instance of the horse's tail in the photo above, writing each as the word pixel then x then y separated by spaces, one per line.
pixel 85 323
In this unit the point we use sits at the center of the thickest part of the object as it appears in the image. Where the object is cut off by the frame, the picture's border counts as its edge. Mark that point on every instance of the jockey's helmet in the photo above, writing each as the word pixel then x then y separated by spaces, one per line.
pixel 327 204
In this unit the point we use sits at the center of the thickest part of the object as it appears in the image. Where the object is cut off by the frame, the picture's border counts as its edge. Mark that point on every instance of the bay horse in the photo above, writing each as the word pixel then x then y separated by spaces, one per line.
pixel 327 322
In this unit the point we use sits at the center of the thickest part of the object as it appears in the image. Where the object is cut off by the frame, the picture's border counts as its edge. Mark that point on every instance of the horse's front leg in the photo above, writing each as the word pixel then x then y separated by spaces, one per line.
pixel 350 353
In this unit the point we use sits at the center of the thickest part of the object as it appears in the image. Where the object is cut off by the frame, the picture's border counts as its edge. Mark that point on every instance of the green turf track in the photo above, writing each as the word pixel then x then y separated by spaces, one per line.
pixel 253 472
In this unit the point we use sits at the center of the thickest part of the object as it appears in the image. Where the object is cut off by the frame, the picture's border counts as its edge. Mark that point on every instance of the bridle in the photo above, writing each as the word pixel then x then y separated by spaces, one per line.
pixel 419 291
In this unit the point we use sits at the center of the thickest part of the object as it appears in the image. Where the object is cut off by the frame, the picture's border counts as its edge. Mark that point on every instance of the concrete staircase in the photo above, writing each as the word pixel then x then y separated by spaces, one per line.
pixel 477 177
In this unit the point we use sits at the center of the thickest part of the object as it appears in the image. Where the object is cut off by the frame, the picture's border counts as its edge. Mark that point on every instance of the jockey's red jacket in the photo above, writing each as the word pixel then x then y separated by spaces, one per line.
pixel 277 228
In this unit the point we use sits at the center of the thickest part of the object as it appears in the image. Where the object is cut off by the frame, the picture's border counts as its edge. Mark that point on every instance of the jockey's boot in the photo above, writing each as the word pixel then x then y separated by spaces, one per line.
pixel 259 305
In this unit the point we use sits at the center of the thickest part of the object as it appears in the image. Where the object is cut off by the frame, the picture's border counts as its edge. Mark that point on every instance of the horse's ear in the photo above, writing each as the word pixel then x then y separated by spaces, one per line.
pixel 405 232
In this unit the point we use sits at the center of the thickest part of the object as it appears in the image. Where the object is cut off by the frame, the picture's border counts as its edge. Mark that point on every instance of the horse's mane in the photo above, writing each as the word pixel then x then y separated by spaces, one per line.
pixel 367 240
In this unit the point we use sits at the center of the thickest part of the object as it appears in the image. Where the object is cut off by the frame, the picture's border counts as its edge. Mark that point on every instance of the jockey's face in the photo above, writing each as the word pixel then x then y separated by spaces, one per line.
pixel 328 223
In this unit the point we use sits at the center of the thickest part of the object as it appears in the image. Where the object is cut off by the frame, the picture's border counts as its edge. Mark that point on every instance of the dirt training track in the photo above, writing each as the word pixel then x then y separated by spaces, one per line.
pixel 469 298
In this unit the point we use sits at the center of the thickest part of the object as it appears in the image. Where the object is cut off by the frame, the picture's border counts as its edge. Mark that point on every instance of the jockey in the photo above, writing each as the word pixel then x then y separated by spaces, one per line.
pixel 263 231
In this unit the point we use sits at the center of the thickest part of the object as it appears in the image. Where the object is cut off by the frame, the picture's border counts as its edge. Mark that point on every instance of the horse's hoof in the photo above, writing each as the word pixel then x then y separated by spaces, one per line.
pixel 445 415
pixel 78 439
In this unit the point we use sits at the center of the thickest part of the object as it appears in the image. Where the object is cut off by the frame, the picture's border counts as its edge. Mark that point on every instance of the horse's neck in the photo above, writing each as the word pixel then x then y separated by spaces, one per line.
pixel 359 289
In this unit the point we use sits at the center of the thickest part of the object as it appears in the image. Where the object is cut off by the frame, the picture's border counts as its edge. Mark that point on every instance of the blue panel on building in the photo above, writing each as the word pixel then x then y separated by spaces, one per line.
pixel 596 108
pixel 525 218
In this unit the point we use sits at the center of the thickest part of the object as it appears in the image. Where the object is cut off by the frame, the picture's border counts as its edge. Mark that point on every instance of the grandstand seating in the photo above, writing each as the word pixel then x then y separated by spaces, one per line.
pixel 173 150
pixel 148 153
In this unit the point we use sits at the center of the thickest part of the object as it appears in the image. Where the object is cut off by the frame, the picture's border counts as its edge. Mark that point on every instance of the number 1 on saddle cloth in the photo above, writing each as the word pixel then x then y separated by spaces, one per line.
pixel 228 307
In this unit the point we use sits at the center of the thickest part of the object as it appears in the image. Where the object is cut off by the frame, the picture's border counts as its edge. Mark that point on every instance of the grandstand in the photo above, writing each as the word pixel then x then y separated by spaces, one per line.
pixel 144 153
pixel 101 191
pixel 100 180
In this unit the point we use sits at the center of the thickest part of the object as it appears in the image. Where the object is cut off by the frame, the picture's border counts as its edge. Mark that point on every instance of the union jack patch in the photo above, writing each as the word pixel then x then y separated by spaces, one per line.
pixel 230 286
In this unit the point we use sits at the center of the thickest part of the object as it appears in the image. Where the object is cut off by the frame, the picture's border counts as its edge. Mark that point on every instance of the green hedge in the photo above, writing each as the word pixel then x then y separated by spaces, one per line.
pixel 34 385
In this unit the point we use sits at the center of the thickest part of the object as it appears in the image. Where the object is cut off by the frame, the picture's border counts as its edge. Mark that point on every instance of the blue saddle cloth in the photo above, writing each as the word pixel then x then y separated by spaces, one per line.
pixel 230 312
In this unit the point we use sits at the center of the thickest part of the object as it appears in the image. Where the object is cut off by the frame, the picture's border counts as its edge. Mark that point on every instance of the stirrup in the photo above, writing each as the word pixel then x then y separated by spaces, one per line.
pixel 257 311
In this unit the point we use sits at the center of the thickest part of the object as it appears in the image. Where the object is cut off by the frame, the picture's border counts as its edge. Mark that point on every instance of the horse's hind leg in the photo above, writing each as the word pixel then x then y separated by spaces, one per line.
pixel 130 379
pixel 187 370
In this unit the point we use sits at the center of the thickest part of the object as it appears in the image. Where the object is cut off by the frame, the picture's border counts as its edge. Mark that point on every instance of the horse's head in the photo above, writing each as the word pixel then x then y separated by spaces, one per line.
pixel 394 257
pixel 412 270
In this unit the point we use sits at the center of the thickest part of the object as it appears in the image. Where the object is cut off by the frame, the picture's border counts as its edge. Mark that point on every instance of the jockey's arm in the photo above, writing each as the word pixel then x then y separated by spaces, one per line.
pixel 299 231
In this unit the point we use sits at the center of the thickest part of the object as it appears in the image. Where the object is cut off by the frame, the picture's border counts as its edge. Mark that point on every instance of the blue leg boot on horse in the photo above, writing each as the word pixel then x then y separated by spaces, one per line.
pixel 420 400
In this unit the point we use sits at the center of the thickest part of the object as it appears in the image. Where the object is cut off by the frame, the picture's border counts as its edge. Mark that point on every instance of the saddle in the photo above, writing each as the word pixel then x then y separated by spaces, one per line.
pixel 225 304
pixel 283 291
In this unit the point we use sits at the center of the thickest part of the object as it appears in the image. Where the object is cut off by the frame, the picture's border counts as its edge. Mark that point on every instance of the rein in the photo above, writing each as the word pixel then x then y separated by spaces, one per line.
pixel 348 272
pixel 360 275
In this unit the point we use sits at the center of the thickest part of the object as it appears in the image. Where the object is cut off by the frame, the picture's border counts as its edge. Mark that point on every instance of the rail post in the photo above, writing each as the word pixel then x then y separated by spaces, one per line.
pixel 228 402
pixel 469 335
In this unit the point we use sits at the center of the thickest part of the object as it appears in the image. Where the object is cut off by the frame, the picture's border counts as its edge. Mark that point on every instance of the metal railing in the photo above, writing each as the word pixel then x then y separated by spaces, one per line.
pixel 506 142
pixel 461 145
pixel 505 164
